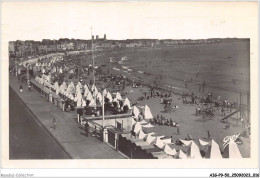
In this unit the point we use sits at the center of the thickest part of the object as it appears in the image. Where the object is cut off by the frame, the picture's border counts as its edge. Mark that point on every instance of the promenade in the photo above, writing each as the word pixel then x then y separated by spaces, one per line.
pixel 68 133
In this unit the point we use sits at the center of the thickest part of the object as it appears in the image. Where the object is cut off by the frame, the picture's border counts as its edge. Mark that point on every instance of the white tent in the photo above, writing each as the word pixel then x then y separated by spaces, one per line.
pixel 84 103
pixel 213 150
pixel 92 103
pixel 64 85
pixel 194 151
pixel 56 86
pixel 94 88
pixel 127 103
pixel 159 143
pixel 115 100
pixel 79 100
pixel 72 84
pixel 142 135
pixel 89 96
pixel 169 151
pixel 231 150
pixel 71 97
pixel 78 89
pixel 118 96
pixel 109 97
pixel 95 92
pixel 203 143
pixel 86 92
pixel 57 91
pixel 137 127
pixel 99 96
pixel 133 121
pixel 136 112
pixel 181 155
pixel 186 142
pixel 150 138
pixel 86 88
pixel 147 113
pixel 105 92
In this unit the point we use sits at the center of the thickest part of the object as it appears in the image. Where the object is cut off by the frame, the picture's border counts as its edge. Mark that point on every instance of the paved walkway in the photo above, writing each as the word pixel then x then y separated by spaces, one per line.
pixel 68 133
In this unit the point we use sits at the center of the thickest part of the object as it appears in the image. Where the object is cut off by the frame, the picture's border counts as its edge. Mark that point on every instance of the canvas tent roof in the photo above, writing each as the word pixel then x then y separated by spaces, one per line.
pixel 159 143
pixel 92 103
pixel 213 149
pixel 89 96
pixel 150 138
pixel 118 96
pixel 182 155
pixel 127 103
pixel 136 112
pixel 105 92
pixel 194 151
pixel 169 151
pixel 137 127
pixel 231 150
pixel 109 97
pixel 142 135
pixel 147 113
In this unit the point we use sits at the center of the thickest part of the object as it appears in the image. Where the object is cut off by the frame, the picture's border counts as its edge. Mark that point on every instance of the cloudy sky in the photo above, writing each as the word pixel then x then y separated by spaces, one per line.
pixel 125 20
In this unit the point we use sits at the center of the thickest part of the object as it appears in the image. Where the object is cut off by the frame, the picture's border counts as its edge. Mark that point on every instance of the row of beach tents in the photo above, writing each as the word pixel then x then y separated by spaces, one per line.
pixel 191 150
pixel 74 92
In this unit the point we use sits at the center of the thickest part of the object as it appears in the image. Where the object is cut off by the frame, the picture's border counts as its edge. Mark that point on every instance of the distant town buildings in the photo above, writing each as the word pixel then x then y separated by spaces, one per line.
pixel 31 48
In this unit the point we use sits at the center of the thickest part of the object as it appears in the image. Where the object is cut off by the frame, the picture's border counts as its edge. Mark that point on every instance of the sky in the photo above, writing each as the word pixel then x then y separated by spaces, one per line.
pixel 128 20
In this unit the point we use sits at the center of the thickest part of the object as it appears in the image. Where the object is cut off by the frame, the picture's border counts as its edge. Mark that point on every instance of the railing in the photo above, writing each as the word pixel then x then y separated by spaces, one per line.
pixel 118 116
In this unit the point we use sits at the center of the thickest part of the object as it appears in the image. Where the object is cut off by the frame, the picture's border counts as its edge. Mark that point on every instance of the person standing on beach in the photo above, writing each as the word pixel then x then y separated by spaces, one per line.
pixel 21 88
pixel 54 123
pixel 178 130
pixel 208 134
pixel 86 128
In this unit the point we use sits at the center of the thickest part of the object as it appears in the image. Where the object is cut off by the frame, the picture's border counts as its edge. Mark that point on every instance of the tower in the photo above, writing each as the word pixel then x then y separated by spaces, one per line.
pixel 105 36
